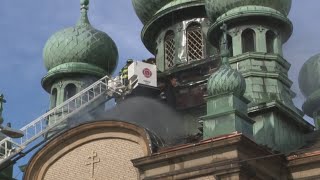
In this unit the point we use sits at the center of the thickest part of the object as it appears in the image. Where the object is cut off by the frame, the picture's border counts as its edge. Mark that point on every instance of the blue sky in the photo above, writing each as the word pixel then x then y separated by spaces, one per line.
pixel 26 26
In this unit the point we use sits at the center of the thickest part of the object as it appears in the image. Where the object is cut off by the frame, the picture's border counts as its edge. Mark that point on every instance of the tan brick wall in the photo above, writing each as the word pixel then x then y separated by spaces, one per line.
pixel 204 178
pixel 114 155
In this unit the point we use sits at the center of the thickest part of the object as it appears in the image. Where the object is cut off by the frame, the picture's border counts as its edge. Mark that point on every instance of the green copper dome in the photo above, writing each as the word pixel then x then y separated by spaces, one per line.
pixel 81 49
pixel 145 9
pixel 177 3
pixel 215 8
pixel 226 80
pixel 309 83
pixel 309 76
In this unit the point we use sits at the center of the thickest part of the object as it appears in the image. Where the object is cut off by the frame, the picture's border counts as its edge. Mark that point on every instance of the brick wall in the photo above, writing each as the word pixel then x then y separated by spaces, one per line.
pixel 114 156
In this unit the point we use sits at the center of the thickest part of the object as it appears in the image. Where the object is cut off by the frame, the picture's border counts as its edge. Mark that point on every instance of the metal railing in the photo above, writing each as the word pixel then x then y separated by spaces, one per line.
pixel 9 148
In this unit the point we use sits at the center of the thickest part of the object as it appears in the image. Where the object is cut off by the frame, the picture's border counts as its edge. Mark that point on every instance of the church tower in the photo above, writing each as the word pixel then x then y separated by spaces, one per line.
pixel 76 57
pixel 257 29
pixel 175 32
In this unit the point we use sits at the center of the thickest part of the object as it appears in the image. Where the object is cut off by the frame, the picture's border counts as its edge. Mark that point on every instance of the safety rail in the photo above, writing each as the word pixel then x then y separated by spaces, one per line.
pixel 9 148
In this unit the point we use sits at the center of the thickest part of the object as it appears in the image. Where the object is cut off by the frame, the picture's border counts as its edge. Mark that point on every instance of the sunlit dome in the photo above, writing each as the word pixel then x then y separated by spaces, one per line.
pixel 80 49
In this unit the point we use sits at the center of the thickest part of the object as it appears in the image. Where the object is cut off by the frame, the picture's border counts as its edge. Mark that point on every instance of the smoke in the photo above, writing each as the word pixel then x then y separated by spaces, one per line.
pixel 148 113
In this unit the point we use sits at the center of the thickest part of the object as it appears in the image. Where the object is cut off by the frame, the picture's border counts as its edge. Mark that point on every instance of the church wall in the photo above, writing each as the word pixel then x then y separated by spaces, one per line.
pixel 112 161
pixel 100 150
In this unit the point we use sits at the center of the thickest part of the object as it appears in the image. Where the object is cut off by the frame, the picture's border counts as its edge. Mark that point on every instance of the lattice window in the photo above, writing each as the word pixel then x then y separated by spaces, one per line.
pixel 169 50
pixel 195 46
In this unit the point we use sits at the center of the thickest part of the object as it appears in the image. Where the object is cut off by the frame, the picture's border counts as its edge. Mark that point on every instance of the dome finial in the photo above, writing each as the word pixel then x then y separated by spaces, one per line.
pixel 84 13
pixel 84 3
pixel 224 45
pixel 2 100
pixel 226 79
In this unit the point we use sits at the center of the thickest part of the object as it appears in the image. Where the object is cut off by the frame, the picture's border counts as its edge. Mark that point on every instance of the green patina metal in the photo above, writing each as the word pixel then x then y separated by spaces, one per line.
pixel 226 79
pixel 165 18
pixel 145 9
pixel 78 47
pixel 75 58
pixel 278 123
pixel 310 86
pixel 248 13
pixel 226 106
pixel 216 8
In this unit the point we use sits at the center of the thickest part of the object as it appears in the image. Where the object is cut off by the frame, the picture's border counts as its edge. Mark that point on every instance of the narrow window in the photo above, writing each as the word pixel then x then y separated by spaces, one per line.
pixel 230 45
pixel 248 41
pixel 195 44
pixel 169 49
pixel 69 91
pixel 54 98
pixel 270 38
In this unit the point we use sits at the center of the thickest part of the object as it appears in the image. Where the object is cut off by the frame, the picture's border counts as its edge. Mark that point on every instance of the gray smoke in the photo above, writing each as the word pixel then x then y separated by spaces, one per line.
pixel 148 113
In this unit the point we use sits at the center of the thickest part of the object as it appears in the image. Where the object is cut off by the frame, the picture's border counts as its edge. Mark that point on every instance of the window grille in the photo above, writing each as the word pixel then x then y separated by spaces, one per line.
pixel 195 46
pixel 169 50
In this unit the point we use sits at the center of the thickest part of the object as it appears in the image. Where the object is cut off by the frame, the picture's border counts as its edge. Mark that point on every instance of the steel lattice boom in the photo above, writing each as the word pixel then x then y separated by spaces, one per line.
pixel 10 148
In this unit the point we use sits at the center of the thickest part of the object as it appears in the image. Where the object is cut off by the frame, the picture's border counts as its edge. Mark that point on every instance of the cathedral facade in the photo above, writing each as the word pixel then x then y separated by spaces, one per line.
pixel 224 110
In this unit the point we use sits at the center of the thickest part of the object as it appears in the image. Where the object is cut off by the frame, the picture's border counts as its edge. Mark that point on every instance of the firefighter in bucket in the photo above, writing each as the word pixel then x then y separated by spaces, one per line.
pixel 124 73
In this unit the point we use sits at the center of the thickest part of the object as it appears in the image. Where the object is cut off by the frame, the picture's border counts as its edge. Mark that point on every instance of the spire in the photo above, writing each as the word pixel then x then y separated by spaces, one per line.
pixel 224 46
pixel 84 20
pixel 2 101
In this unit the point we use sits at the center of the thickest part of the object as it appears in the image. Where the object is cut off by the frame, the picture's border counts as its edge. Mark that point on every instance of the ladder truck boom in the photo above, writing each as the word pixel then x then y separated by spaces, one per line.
pixel 11 148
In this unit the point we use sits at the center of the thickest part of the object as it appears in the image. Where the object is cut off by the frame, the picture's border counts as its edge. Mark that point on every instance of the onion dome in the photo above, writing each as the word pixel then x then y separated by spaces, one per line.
pixel 309 83
pixel 216 8
pixel 81 49
pixel 226 80
pixel 145 9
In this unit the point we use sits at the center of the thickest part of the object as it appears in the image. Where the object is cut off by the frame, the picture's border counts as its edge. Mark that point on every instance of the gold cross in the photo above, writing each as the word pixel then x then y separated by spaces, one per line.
pixel 93 161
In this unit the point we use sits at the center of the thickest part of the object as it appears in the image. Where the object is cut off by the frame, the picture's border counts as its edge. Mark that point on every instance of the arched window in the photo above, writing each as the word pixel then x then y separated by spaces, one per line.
pixel 69 91
pixel 271 39
pixel 54 98
pixel 169 49
pixel 248 41
pixel 195 45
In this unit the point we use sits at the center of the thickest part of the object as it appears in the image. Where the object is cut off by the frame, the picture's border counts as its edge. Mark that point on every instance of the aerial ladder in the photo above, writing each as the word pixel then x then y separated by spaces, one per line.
pixel 102 90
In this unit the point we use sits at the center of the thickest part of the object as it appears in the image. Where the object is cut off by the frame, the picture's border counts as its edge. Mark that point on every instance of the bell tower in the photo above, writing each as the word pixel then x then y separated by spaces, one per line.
pixel 256 32
pixel 175 32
